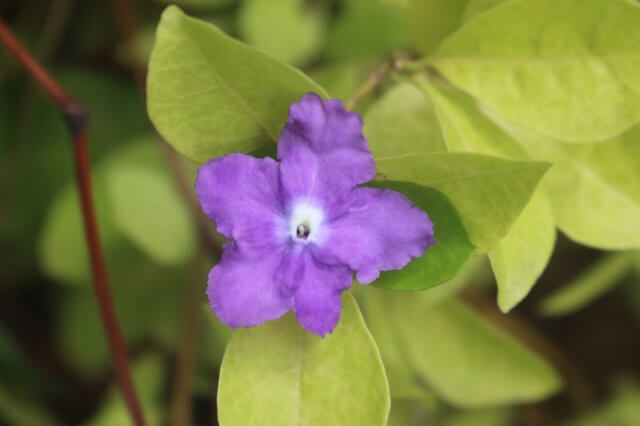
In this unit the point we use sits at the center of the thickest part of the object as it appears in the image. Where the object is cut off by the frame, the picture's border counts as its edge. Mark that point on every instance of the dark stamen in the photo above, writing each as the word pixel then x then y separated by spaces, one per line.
pixel 303 231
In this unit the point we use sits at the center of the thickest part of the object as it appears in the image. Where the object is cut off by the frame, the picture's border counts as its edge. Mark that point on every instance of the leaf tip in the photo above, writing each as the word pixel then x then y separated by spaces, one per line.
pixel 505 304
pixel 170 12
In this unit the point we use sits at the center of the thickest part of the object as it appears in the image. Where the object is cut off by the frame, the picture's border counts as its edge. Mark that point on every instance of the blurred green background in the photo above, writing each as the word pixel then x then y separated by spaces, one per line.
pixel 54 364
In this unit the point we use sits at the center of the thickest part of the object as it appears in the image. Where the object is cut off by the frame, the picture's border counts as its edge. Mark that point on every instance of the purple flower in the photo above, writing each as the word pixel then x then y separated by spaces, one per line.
pixel 302 226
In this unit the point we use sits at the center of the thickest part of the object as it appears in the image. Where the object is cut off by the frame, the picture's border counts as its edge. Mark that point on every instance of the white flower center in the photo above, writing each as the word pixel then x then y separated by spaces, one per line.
pixel 305 222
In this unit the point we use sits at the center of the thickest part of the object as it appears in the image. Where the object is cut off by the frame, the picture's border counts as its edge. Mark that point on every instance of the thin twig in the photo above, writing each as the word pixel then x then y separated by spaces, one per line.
pixel 75 117
pixel 180 408
pixel 397 64
pixel 378 77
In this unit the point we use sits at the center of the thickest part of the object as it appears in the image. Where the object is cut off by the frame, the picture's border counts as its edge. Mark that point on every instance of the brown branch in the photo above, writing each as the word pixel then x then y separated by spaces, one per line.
pixel 75 117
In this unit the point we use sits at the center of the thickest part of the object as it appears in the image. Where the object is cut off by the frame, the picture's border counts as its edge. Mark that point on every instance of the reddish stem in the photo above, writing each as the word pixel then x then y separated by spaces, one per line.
pixel 75 117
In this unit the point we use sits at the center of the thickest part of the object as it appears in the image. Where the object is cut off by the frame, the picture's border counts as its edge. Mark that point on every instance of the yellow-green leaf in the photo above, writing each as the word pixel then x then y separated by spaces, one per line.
pixel 430 21
pixel 565 68
pixel 589 285
pixel 454 352
pixel 278 374
pixel 403 121
pixel 209 94
pixel 443 260
pixel 488 192
pixel 594 189
pixel 148 210
pixel 299 33
pixel 522 255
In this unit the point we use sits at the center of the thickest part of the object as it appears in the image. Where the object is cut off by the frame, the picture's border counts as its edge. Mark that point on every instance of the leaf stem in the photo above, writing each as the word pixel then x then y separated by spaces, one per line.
pixel 399 62
pixel 418 65
pixel 378 77
pixel 75 117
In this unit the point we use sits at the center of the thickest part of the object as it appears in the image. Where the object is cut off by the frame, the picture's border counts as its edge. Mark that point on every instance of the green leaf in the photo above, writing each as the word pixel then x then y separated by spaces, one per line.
pixel 368 27
pixel 403 121
pixel 444 259
pixel 462 357
pixel 340 79
pixel 135 198
pixel 301 379
pixel 475 7
pixel 465 127
pixel 140 51
pixel 488 192
pixel 79 331
pixel 430 21
pixel 199 4
pixel 375 304
pixel 631 291
pixel 62 246
pixel 406 412
pixel 148 375
pixel 213 339
pixel 398 371
pixel 494 416
pixel 209 94
pixel 567 71
pixel 115 107
pixel 594 189
pixel 116 113
pixel 521 256
pixel 148 210
pixel 7 112
pixel 623 409
pixel 17 407
pixel 589 285
pixel 299 33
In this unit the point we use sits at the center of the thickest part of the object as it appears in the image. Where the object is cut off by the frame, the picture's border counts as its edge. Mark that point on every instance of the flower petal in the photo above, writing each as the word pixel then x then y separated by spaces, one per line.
pixel 379 231
pixel 322 149
pixel 241 195
pixel 244 288
pixel 317 299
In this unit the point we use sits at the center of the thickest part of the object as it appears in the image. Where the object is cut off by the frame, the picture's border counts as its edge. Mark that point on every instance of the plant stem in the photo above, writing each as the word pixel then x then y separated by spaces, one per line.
pixel 75 117
pixel 180 406
pixel 375 79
